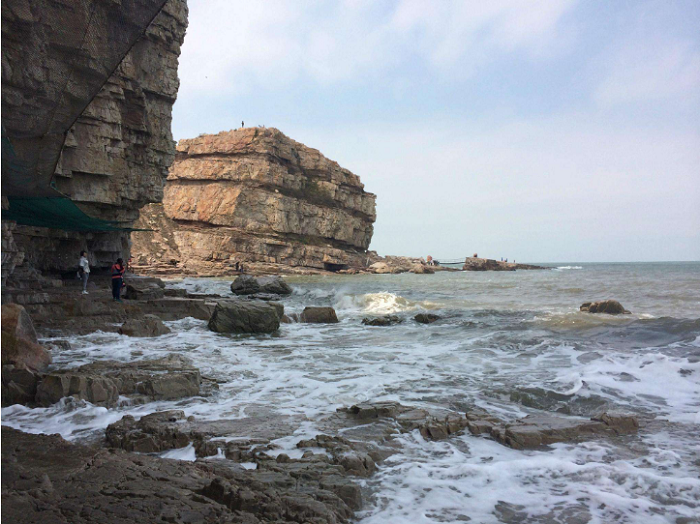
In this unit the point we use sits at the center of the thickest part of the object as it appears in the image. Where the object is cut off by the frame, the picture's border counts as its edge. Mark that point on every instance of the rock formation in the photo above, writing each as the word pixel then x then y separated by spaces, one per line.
pixel 117 154
pixel 255 196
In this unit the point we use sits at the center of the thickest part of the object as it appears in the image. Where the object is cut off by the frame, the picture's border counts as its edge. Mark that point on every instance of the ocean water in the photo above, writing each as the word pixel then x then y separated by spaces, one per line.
pixel 511 343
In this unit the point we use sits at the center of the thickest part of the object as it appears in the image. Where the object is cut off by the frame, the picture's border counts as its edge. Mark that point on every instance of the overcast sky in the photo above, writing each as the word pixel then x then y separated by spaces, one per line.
pixel 557 130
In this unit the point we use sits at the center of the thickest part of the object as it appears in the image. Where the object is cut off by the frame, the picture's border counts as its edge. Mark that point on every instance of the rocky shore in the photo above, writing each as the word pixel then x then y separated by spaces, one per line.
pixel 233 471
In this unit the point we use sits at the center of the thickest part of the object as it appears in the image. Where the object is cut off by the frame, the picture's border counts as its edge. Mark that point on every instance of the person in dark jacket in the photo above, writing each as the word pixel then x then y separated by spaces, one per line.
pixel 118 270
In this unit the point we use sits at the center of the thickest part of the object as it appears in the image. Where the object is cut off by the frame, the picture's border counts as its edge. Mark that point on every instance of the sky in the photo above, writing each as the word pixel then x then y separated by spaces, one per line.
pixel 556 130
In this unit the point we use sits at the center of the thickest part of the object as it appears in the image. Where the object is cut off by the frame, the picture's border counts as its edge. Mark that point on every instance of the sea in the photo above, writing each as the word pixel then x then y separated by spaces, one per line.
pixel 510 343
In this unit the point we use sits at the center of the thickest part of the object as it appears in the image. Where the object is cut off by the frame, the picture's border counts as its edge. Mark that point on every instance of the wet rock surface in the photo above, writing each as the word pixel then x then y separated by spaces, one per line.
pixel 610 307
pixel 148 326
pixel 245 316
pixel 46 479
pixel 538 430
pixel 102 383
pixel 318 315
pixel 386 320
pixel 20 347
pixel 426 318
pixel 249 285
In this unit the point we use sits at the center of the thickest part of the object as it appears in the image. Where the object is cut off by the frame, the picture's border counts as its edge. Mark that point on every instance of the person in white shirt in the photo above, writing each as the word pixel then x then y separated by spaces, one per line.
pixel 84 270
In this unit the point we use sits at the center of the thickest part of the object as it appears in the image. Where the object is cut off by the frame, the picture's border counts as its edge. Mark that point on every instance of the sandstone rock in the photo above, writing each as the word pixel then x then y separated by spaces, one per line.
pixel 386 320
pixel 426 318
pixel 151 433
pixel 98 390
pixel 611 307
pixel 265 199
pixel 52 480
pixel 143 290
pixel 117 153
pixel 543 429
pixel 249 285
pixel 18 385
pixel 380 268
pixel 19 343
pixel 238 316
pixel 421 269
pixel 318 315
pixel 168 378
pixel 148 326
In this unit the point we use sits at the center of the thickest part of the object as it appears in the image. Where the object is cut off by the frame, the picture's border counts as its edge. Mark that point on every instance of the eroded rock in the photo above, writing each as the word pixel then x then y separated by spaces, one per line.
pixel 426 318
pixel 52 480
pixel 147 326
pixel 610 307
pixel 386 320
pixel 318 315
pixel 543 429
pixel 243 316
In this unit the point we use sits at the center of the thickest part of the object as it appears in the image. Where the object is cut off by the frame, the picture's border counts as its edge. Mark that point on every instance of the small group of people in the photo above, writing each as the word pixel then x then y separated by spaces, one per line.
pixel 432 261
pixel 118 270
pixel 238 267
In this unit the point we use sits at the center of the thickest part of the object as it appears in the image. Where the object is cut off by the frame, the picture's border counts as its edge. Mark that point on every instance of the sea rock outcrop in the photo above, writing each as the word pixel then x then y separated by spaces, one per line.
pixel 255 196
pixel 318 315
pixel 245 316
pixel 249 285
pixel 611 307
pixel 147 326
pixel 117 153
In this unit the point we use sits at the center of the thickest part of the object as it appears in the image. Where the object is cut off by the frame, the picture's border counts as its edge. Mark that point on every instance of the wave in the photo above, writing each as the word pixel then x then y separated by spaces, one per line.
pixel 383 303
pixel 569 267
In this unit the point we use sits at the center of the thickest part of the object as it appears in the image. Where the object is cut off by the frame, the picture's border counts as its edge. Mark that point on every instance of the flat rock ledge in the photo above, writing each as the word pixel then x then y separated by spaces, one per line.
pixel 538 430
pixel 103 383
pixel 46 479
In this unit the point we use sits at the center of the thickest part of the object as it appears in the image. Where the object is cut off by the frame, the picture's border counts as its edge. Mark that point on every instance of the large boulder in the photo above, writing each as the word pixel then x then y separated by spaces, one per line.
pixel 146 326
pixel 18 385
pixel 244 316
pixel 611 307
pixel 249 285
pixel 318 315
pixel 20 347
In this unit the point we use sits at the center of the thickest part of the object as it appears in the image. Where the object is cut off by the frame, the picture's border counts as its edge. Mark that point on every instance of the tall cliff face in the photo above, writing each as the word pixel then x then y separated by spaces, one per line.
pixel 117 154
pixel 255 195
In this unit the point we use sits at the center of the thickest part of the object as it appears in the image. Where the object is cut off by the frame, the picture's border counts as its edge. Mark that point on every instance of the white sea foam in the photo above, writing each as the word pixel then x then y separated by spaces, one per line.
pixel 187 453
pixel 383 303
pixel 569 267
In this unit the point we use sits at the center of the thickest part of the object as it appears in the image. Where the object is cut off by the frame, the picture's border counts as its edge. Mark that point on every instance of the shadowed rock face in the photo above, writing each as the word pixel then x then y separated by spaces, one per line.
pixel 257 196
pixel 117 154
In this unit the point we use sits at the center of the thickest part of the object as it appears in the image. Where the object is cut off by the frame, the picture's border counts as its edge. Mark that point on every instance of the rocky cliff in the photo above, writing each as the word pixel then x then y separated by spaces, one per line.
pixel 255 196
pixel 117 154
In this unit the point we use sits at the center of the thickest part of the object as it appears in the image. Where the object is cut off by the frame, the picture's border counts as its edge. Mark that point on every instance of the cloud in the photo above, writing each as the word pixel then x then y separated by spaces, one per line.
pixel 240 46
pixel 647 71
pixel 545 188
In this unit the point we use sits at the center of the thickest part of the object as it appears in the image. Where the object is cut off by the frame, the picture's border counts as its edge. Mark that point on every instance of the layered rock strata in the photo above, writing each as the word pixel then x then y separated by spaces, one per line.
pixel 255 196
pixel 117 154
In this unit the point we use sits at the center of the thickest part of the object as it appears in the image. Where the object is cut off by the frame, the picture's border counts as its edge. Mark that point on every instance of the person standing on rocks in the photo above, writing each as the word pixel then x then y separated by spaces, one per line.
pixel 118 270
pixel 84 270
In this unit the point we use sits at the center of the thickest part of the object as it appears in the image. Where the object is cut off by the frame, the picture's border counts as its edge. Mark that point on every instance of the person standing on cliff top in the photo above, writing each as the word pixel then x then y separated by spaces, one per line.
pixel 118 270
pixel 242 124
pixel 84 270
